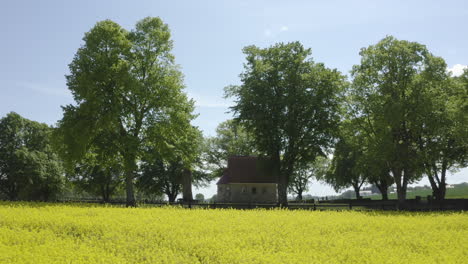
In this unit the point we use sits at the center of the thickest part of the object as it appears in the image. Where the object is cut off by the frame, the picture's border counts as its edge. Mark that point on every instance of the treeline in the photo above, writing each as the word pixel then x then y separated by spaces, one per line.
pixel 401 116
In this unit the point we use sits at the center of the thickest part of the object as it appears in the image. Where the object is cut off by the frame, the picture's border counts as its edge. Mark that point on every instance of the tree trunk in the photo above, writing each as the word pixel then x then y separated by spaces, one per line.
pixel 105 193
pixel 187 185
pixel 46 195
pixel 13 193
pixel 171 196
pixel 130 166
pixel 129 189
pixel 282 180
pixel 385 195
pixel 357 191
pixel 435 188
pixel 404 185
pixel 383 188
pixel 299 195
pixel 282 190
pixel 400 186
pixel 440 195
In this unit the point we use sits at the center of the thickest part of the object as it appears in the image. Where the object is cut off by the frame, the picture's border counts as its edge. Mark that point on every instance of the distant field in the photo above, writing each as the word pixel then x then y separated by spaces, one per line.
pixel 460 191
pixel 57 233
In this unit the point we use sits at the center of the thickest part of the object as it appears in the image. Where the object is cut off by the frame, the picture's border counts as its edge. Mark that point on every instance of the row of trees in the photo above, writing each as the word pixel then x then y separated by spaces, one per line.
pixel 406 117
pixel 401 116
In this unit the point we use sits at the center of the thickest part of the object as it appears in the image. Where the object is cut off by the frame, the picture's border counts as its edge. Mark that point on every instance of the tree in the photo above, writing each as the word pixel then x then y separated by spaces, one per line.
pixel 159 176
pixel 200 197
pixel 382 180
pixel 444 141
pixel 126 86
pixel 289 104
pixel 392 88
pixel 98 174
pixel 174 171
pixel 344 169
pixel 29 168
pixel 231 139
pixel 358 159
pixel 99 171
pixel 304 173
pixel 371 160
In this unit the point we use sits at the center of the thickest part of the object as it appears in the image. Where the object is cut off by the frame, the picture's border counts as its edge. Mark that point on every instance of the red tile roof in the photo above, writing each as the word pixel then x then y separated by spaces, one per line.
pixel 246 169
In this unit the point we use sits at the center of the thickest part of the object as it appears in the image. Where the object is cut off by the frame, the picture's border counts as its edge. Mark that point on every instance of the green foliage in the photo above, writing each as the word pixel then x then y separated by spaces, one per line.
pixel 393 90
pixel 304 173
pixel 29 168
pixel 200 197
pixel 163 172
pixel 99 174
pixel 444 142
pixel 161 177
pixel 127 88
pixel 231 139
pixel 289 104
pixel 346 168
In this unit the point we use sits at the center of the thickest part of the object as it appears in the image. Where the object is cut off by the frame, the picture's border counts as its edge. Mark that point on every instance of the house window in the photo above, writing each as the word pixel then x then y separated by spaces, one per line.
pixel 243 189
pixel 264 190
pixel 254 190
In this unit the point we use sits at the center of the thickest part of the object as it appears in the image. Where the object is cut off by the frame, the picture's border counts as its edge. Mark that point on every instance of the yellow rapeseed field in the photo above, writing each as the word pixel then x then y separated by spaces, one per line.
pixel 58 233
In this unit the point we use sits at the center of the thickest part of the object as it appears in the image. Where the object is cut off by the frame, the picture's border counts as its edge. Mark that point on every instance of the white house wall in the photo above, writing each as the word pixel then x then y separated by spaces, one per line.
pixel 247 193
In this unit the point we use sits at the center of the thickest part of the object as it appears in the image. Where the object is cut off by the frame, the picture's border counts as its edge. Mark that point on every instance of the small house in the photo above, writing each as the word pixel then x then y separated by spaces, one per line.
pixel 247 180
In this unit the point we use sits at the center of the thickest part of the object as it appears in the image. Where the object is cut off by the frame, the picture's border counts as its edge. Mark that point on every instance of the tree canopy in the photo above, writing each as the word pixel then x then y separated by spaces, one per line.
pixel 394 90
pixel 290 105
pixel 127 87
pixel 231 139
pixel 29 167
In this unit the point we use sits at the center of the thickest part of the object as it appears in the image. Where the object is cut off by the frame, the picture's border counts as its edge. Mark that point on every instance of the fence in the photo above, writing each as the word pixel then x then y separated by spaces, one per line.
pixel 409 205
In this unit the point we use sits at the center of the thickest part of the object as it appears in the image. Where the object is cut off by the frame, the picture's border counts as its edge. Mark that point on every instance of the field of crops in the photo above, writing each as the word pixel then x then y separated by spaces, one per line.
pixel 57 233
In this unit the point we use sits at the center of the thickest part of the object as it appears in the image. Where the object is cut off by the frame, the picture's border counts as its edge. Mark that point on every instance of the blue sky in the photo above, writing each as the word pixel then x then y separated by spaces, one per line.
pixel 40 38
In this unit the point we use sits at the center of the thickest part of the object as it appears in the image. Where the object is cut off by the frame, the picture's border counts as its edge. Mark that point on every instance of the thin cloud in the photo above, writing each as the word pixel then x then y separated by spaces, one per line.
pixel 47 89
pixel 457 69
pixel 209 101
pixel 275 32
pixel 267 33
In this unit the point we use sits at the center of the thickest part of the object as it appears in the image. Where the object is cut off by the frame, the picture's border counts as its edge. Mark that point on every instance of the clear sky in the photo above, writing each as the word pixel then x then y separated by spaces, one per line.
pixel 40 38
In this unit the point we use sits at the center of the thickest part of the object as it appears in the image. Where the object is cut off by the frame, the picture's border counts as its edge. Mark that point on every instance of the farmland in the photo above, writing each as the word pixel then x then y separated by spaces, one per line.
pixel 73 233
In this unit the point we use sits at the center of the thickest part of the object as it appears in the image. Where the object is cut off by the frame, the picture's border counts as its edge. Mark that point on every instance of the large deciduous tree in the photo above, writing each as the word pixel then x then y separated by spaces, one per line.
pixel 126 86
pixel 393 88
pixel 290 104
pixel 444 139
